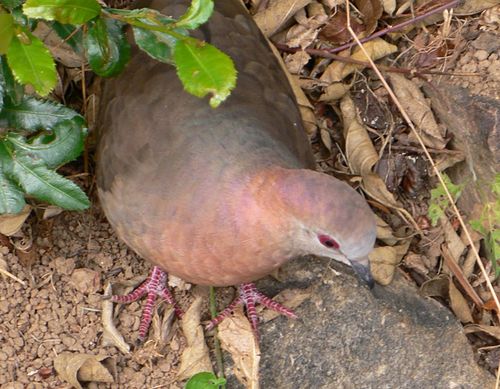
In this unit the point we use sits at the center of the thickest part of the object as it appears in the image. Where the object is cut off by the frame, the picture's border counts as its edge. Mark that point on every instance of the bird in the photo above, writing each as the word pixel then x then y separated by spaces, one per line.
pixel 223 196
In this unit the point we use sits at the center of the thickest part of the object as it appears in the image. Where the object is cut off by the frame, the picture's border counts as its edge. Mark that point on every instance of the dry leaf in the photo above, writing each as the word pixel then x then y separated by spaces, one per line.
pixel 10 224
pixel 334 91
pixel 384 260
pixel 305 107
pixel 74 368
pixel 371 11
pixel 360 151
pixel 336 31
pixel 384 232
pixel 490 330
pixel 51 211
pixel 111 336
pixel 195 358
pixel 290 298
pixel 413 101
pixel 271 19
pixel 459 305
pixel 305 32
pixel 59 49
pixel 471 7
pixel 376 49
pixel 295 62
pixel 455 245
pixel 237 338
pixel 437 287
pixel 389 6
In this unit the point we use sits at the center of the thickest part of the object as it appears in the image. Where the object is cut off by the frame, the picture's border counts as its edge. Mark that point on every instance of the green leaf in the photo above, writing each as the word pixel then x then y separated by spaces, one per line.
pixel 107 48
pixel 33 114
pixel 32 63
pixel 204 69
pixel 198 13
pixel 44 184
pixel 57 147
pixel 205 380
pixel 439 201
pixel 71 35
pixel 64 11
pixel 156 44
pixel 10 4
pixel 12 88
pixel 11 196
pixel 6 31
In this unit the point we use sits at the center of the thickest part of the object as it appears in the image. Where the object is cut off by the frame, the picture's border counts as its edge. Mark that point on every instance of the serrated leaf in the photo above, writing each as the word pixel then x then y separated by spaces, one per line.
pixel 32 64
pixel 6 31
pixel 107 48
pixel 64 11
pixel 33 114
pixel 154 43
pixel 205 380
pixel 46 185
pixel 10 4
pixel 11 196
pixel 204 69
pixel 198 13
pixel 63 144
pixel 71 35
pixel 12 89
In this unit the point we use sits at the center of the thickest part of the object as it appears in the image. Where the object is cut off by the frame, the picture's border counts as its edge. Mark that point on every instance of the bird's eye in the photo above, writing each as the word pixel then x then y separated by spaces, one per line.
pixel 328 241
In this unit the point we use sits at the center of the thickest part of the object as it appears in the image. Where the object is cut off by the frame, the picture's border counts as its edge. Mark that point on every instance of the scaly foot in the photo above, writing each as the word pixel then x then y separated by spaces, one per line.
pixel 153 287
pixel 249 296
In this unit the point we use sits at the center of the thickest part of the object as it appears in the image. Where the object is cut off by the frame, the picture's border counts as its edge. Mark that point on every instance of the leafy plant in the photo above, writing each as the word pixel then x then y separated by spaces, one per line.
pixel 488 225
pixel 44 135
pixel 205 380
pixel 439 201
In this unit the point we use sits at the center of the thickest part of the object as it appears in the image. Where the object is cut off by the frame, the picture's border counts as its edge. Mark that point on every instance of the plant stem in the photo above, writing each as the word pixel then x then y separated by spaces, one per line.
pixel 218 350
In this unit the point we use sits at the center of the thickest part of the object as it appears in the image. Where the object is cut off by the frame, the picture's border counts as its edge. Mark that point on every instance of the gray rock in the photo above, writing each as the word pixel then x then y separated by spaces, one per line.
pixel 350 337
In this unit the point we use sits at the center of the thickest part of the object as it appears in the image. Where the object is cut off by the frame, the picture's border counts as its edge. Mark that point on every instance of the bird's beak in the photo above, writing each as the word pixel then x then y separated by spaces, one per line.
pixel 362 268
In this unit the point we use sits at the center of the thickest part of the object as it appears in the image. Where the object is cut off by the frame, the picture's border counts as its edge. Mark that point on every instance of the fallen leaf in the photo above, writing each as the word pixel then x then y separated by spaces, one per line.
pixel 195 357
pixel 10 224
pixel 384 260
pixel 271 19
pixel 295 62
pixel 416 105
pixel 471 7
pixel 51 211
pixel 334 91
pixel 336 31
pixel 436 287
pixel 459 305
pixel 389 6
pixel 237 338
pixel 360 151
pixel 490 330
pixel 376 49
pixel 290 298
pixel 371 11
pixel 75 368
pixel 111 336
pixel 455 245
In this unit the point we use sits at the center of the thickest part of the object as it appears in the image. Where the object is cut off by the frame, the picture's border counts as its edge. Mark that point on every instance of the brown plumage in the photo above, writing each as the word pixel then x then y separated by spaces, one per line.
pixel 221 196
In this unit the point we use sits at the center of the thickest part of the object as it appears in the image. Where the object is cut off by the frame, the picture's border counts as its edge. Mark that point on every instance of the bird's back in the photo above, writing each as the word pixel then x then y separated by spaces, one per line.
pixel 164 151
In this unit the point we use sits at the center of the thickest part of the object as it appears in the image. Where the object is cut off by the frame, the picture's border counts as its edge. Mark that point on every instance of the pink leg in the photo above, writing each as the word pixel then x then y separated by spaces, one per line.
pixel 249 295
pixel 153 287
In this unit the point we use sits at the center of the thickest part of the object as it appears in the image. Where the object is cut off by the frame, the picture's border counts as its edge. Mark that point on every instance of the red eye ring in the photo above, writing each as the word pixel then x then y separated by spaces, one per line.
pixel 329 242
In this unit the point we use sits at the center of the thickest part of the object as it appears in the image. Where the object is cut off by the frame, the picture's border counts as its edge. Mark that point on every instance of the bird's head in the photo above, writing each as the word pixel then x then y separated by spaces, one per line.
pixel 330 219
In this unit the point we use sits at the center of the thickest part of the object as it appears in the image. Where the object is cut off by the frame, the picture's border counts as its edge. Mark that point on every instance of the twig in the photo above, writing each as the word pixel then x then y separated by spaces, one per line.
pixel 391 69
pixel 431 161
pixel 10 275
pixel 397 27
